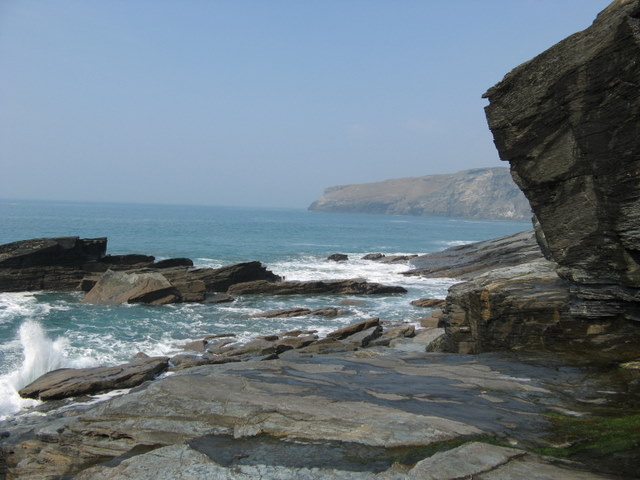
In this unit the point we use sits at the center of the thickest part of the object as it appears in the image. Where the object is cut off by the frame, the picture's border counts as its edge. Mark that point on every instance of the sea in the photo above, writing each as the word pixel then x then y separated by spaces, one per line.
pixel 42 331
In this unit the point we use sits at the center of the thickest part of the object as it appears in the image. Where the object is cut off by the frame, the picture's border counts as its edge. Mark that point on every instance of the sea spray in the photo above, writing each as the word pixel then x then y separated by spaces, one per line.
pixel 40 355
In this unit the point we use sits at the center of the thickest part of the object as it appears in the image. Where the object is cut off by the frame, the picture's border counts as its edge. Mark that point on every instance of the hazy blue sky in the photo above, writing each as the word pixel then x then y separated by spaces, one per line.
pixel 254 102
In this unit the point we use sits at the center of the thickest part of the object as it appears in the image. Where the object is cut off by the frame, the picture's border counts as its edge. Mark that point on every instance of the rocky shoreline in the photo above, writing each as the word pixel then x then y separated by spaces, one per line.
pixel 529 370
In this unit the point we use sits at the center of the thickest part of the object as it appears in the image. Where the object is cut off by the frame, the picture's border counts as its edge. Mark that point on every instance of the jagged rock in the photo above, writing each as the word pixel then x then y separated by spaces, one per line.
pixel 195 345
pixel 568 121
pixel 338 257
pixel 428 303
pixel 72 382
pixel 119 287
pixel 478 193
pixel 355 286
pixel 467 261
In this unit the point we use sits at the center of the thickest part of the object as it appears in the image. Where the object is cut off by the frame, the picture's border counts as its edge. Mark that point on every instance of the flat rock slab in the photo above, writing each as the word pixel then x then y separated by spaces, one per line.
pixel 114 288
pixel 71 382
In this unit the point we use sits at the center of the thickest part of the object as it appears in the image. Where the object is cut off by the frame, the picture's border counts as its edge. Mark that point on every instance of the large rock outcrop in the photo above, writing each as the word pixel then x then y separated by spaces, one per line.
pixel 568 122
pixel 477 193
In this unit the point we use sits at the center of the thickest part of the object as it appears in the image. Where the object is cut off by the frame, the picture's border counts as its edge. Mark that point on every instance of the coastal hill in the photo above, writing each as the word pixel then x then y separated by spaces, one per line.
pixel 477 193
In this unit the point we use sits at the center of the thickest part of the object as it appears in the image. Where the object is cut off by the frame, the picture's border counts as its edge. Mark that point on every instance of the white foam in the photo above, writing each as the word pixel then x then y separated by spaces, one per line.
pixel 23 304
pixel 40 355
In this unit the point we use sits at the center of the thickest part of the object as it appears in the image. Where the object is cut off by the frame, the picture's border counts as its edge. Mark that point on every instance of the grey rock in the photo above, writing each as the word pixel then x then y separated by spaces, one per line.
pixel 338 257
pixel 119 287
pixel 478 193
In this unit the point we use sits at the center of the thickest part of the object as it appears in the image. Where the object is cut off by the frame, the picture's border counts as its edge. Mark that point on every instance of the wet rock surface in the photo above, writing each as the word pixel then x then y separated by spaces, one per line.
pixel 350 287
pixel 373 413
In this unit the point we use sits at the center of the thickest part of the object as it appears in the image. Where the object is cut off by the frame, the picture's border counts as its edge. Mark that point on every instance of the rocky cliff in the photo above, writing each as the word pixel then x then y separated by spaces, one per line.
pixel 478 193
pixel 568 122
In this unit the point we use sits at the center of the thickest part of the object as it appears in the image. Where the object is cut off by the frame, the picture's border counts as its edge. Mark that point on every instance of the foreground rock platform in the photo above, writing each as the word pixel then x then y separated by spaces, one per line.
pixel 377 413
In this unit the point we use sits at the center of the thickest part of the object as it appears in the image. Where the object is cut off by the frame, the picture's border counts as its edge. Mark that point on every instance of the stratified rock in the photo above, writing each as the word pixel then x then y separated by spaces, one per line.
pixel 72 382
pixel 568 122
pixel 220 279
pixel 478 193
pixel 49 263
pixel 118 287
pixel 338 257
pixel 528 307
pixel 354 287
pixel 283 313
pixel 467 261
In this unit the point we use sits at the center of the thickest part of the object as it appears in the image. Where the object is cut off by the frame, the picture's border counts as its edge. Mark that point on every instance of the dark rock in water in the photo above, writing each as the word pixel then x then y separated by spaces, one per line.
pixel 338 257
pixel 218 298
pixel 467 261
pixel 71 382
pixel 373 256
pixel 396 258
pixel 132 260
pixel 357 286
pixel 283 313
pixel 173 262
pixel 49 263
pixel 477 193
pixel 119 287
pixel 568 122
pixel 220 279
pixel 428 303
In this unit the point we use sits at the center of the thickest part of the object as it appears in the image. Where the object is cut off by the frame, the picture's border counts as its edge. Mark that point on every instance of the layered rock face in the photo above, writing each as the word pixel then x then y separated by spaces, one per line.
pixel 477 193
pixel 568 122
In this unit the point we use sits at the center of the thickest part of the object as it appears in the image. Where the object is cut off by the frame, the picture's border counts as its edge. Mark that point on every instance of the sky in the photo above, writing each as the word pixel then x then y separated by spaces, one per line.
pixel 254 102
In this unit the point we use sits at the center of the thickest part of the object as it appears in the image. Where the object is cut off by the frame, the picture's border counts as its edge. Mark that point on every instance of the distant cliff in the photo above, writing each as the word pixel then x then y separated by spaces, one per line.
pixel 477 193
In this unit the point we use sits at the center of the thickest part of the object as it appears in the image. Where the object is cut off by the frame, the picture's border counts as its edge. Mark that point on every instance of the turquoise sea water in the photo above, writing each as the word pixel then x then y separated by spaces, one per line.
pixel 40 331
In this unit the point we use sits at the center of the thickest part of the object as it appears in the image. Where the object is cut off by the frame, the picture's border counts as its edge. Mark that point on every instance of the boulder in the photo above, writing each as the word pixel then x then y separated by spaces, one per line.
pixel 373 256
pixel 119 287
pixel 567 122
pixel 72 382
pixel 338 257
pixel 355 286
